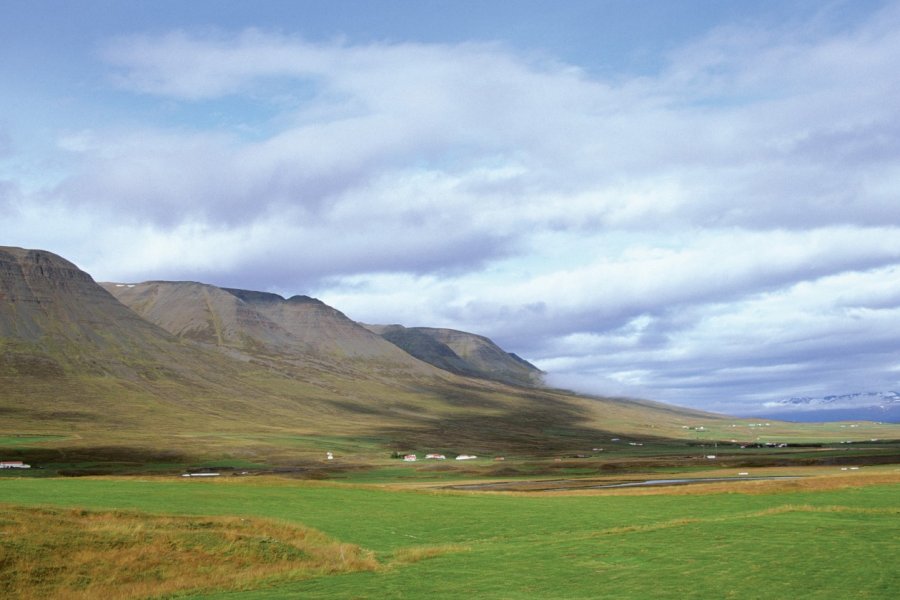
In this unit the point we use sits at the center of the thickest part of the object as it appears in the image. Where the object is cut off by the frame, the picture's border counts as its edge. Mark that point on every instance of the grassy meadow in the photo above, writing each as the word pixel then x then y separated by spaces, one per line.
pixel 831 534
pixel 642 444
pixel 105 513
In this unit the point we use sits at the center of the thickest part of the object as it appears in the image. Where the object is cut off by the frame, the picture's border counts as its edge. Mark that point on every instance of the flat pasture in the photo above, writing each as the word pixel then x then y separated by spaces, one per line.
pixel 829 534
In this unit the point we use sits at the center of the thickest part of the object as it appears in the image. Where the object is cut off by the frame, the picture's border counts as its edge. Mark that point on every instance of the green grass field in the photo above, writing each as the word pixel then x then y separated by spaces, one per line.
pixel 386 529
pixel 836 538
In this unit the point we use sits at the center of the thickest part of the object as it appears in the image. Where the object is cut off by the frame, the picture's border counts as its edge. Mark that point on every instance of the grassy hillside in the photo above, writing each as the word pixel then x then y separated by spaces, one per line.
pixel 461 353
pixel 485 356
pixel 282 382
pixel 263 325
pixel 234 373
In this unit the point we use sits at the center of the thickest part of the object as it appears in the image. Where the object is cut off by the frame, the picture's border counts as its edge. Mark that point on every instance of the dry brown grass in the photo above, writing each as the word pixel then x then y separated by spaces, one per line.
pixel 52 553
pixel 405 556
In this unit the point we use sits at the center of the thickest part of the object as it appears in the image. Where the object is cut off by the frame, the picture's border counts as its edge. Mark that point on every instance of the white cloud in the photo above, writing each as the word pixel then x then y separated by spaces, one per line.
pixel 717 230
pixel 833 333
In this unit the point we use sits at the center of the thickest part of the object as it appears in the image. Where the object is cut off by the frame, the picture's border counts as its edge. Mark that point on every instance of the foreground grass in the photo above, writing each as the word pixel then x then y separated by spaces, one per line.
pixel 831 537
pixel 60 553
pixel 754 555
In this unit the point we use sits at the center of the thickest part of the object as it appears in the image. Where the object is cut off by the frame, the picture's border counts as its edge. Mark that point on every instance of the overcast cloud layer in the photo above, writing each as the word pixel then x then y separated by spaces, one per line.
pixel 720 232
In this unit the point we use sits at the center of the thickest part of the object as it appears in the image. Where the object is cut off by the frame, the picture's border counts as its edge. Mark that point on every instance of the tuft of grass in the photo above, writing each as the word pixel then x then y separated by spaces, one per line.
pixel 72 553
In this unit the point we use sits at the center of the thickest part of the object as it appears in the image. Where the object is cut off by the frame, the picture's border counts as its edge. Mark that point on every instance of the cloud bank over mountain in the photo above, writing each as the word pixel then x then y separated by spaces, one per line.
pixel 719 231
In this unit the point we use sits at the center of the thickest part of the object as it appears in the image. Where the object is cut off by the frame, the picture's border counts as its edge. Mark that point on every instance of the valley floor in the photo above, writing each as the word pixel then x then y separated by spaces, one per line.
pixel 830 534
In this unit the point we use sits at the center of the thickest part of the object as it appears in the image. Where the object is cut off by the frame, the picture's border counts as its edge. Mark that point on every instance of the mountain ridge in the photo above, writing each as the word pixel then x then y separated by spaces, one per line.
pixel 78 364
pixel 306 327
pixel 461 352
pixel 263 325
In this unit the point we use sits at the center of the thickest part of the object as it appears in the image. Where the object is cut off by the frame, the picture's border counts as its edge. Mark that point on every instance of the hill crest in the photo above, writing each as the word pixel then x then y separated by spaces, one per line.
pixel 461 352
pixel 261 323
pixel 76 362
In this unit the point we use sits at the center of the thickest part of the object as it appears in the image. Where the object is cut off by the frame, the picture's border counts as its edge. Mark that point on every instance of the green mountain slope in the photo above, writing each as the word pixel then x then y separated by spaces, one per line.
pixel 462 353
pixel 252 375
pixel 299 330
pixel 74 359
pixel 44 332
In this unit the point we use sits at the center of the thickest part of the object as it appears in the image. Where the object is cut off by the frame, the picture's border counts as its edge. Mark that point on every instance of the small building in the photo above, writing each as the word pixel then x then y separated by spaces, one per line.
pixel 435 457
pixel 13 464
pixel 409 458
pixel 466 457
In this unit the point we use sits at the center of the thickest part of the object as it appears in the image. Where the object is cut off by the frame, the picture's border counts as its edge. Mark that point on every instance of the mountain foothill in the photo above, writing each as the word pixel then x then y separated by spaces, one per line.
pixel 183 363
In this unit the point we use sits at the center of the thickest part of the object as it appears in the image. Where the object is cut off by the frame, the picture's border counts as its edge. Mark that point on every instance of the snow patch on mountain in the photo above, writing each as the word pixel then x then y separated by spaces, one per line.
pixel 883 400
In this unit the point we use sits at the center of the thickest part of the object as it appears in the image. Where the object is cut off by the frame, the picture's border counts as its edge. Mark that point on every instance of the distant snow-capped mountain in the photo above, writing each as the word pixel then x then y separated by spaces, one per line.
pixel 857 400
pixel 861 406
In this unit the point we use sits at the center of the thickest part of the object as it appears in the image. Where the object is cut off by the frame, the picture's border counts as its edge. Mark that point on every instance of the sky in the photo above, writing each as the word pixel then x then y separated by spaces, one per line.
pixel 696 202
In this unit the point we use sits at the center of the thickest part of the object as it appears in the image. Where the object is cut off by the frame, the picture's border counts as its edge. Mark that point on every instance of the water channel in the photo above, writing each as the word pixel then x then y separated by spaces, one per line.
pixel 568 485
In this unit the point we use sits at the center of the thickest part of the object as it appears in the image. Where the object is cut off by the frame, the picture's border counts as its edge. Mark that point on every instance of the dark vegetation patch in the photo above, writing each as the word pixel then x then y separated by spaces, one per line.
pixel 525 433
pixel 109 454
pixel 357 408
pixel 463 398
pixel 29 365
pixel 428 349
pixel 887 458
pixel 63 415
pixel 76 461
